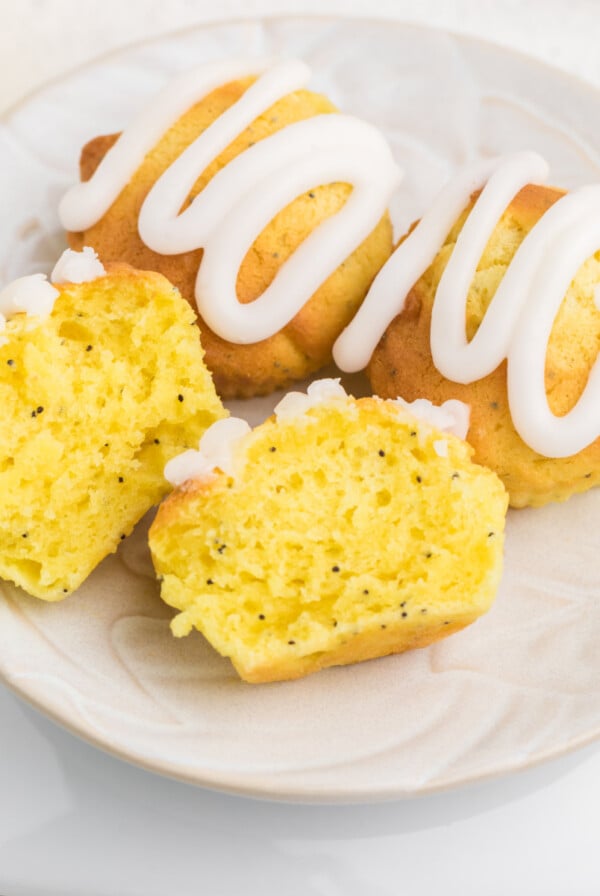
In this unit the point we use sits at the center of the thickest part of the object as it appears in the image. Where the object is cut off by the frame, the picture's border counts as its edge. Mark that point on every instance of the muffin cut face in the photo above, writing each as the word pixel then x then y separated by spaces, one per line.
pixel 345 536
pixel 95 400
pixel 302 346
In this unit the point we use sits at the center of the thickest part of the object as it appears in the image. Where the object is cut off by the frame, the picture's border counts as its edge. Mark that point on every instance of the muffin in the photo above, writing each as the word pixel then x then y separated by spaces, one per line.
pixel 98 394
pixel 402 363
pixel 337 531
pixel 304 344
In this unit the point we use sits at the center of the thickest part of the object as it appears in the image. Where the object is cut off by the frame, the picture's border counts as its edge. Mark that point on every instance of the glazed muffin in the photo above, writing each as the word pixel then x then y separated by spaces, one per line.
pixel 302 346
pixel 96 398
pixel 403 365
pixel 338 531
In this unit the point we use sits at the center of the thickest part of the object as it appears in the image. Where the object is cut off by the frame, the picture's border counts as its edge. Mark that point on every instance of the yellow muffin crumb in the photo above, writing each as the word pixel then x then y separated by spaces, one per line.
pixel 350 532
pixel 95 400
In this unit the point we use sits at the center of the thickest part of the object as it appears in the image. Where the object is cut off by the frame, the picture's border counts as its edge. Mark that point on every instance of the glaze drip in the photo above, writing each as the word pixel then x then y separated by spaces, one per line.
pixel 519 319
pixel 240 201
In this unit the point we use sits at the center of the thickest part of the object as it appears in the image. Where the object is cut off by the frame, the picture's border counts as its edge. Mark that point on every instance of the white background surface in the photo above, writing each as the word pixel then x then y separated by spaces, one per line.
pixel 73 821
pixel 42 38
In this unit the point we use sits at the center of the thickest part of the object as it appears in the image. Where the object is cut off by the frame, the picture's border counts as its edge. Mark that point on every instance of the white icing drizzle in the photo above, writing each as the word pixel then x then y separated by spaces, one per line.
pixel 564 251
pixel 242 198
pixel 216 451
pixel 295 404
pixel 519 319
pixel 452 416
pixel 31 295
pixel 239 202
pixel 219 447
pixel 501 179
pixel 77 267
pixel 85 203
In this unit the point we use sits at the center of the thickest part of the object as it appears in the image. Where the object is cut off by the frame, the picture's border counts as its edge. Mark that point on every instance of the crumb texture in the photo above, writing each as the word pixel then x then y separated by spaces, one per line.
pixel 346 537
pixel 95 400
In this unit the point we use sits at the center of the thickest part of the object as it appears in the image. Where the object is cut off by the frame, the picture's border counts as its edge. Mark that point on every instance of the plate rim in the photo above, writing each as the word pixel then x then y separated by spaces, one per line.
pixel 265 787
pixel 205 24
pixel 300 795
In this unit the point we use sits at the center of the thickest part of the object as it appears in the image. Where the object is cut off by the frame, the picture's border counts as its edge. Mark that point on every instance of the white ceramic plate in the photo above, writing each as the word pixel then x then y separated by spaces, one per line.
pixel 520 685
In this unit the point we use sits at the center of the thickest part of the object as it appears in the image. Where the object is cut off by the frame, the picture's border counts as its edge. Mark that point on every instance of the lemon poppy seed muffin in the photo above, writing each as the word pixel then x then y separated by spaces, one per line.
pixel 402 363
pixel 302 346
pixel 95 399
pixel 337 531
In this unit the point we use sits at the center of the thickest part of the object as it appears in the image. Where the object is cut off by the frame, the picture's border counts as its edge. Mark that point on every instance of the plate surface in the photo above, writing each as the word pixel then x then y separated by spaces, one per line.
pixel 520 685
